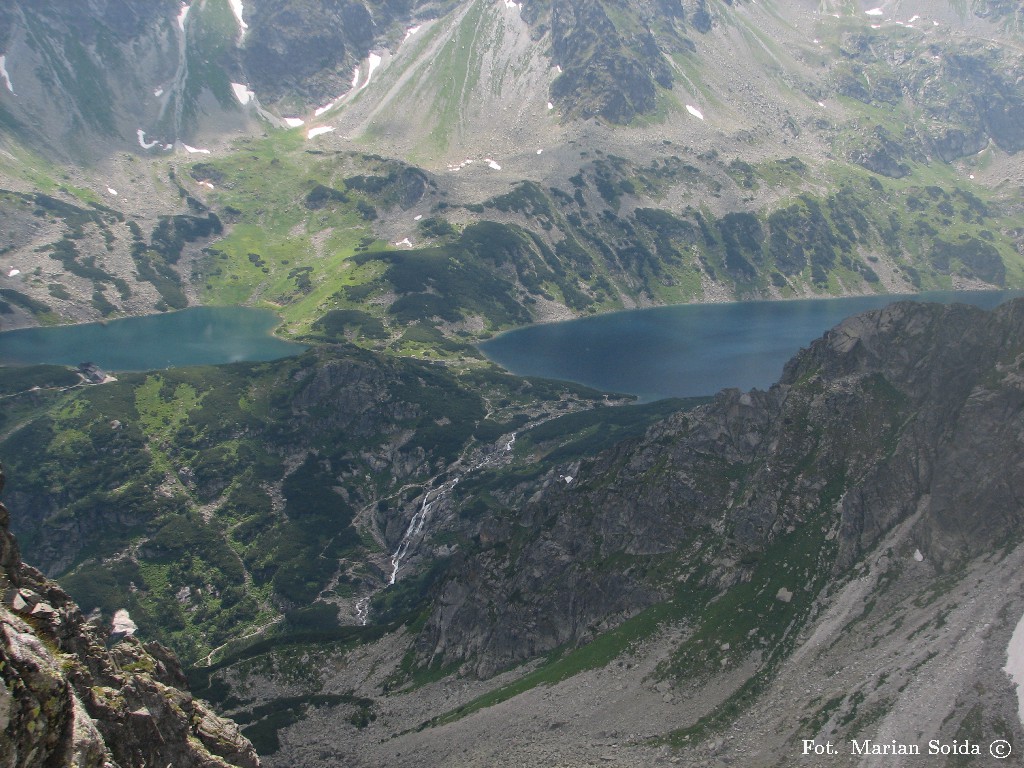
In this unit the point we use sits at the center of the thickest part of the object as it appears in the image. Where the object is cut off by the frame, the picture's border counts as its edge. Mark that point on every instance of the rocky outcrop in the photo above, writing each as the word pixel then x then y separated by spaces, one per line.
pixel 969 96
pixel 605 71
pixel 75 695
pixel 911 406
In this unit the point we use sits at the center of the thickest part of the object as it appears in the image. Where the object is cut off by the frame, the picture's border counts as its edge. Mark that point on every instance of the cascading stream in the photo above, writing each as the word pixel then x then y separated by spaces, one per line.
pixel 363 610
pixel 416 526
pixel 414 532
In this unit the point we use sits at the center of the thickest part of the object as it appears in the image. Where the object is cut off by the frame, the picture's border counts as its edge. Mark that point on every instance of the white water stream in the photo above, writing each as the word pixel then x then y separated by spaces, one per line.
pixel 416 526
pixel 363 611
pixel 414 533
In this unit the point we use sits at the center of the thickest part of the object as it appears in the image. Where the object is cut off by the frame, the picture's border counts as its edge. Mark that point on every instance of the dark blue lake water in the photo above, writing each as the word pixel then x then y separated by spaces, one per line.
pixel 197 336
pixel 689 350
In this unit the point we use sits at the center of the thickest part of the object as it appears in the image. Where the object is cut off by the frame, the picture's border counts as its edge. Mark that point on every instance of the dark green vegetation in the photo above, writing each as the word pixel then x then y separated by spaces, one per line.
pixel 234 491
pixel 270 718
pixel 24 379
pixel 588 248
pixel 156 261
pixel 822 243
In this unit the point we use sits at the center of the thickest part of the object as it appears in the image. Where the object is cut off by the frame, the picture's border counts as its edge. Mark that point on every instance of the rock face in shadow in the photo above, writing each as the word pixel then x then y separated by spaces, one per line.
pixel 73 694
pixel 911 406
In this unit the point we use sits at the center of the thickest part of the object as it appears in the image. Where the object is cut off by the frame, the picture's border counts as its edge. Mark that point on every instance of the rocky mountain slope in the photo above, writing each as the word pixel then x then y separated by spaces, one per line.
pixel 617 155
pixel 888 410
pixel 75 693
pixel 410 554
pixel 832 559
pixel 219 502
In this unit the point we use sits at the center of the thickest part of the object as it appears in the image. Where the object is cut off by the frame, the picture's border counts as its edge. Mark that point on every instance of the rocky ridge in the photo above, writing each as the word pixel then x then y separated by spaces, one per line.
pixel 76 695
pixel 910 403
pixel 835 558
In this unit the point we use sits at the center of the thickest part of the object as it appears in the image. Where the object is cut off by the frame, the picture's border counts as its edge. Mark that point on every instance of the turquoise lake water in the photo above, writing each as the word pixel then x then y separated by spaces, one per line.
pixel 678 351
pixel 197 336
pixel 689 350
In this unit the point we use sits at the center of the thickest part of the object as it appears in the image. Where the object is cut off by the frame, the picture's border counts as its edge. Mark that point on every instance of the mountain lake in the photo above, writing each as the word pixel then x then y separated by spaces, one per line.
pixel 196 336
pixel 692 349
pixel 676 351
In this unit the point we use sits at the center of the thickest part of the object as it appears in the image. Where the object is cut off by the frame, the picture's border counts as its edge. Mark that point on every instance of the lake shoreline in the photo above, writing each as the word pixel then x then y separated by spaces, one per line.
pixel 191 336
pixel 690 350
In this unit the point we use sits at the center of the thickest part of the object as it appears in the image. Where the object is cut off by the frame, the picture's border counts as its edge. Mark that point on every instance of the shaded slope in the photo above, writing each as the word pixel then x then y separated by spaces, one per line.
pixel 68 700
pixel 885 411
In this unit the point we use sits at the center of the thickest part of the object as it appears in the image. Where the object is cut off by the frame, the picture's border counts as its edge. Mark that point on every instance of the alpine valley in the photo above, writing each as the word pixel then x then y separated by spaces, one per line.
pixel 385 550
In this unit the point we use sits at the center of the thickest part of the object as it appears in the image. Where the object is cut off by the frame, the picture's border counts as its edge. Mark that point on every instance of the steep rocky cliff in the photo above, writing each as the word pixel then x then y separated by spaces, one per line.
pixel 74 694
pixel 908 406
pixel 836 558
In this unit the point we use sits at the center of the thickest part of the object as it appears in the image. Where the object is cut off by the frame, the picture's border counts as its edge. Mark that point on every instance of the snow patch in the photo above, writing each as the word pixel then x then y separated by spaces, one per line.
pixel 918 556
pixel 875 12
pixel 111 191
pixel 4 74
pixel 491 164
pixel 294 122
pixel 540 151
pixel 320 110
pixel 142 140
pixel 821 104
pixel 123 624
pixel 568 479
pixel 355 78
pixel 194 150
pixel 460 166
pixel 375 61
pixel 182 14
pixel 206 184
pixel 412 31
pixel 510 4
pixel 550 105
pixel 236 8
pixel 406 242
pixel 242 93
pixel 695 112
pixel 14 272
pixel 913 18
pixel 1015 665
pixel 319 130
pixel 158 92
pixel 417 218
